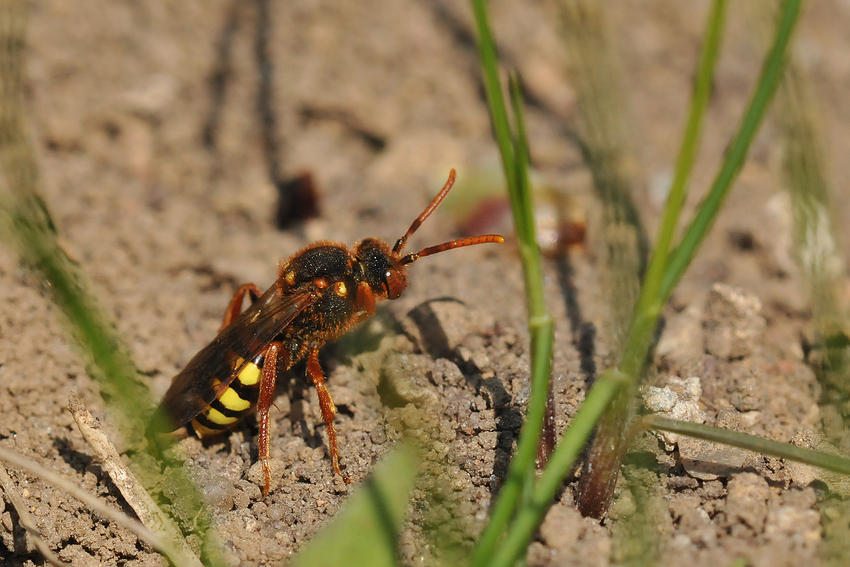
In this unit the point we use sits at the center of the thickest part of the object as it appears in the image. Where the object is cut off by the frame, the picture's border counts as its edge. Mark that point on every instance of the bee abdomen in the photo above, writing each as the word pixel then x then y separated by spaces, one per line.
pixel 233 403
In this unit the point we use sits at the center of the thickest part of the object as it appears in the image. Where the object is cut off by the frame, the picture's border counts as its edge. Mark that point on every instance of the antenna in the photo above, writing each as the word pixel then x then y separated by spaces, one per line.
pixel 459 243
pixel 425 214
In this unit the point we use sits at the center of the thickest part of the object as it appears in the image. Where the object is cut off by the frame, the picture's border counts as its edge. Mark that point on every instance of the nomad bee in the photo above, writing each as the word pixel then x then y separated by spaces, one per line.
pixel 320 293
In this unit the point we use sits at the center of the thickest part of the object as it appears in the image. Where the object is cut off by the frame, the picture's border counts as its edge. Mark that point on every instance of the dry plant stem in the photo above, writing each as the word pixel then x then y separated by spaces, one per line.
pixel 604 456
pixel 529 516
pixel 155 541
pixel 131 489
pixel 27 521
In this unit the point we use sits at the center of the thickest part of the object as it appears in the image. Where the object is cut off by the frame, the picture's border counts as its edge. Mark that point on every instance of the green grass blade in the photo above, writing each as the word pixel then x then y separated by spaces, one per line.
pixel 649 303
pixel 602 470
pixel 646 314
pixel 690 140
pixel 498 111
pixel 540 323
pixel 622 245
pixel 365 533
pixel 29 229
pixel 521 186
pixel 765 89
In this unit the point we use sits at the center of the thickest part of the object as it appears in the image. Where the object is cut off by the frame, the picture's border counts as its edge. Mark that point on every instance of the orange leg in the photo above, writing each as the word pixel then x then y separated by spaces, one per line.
pixel 314 371
pixel 235 307
pixel 264 404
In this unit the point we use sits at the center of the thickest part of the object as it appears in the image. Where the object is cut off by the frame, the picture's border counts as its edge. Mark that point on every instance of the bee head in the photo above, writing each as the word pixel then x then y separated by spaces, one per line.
pixel 385 270
pixel 382 270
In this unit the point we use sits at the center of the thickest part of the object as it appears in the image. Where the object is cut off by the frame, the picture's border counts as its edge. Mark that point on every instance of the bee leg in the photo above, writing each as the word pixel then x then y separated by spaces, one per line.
pixel 235 307
pixel 264 404
pixel 314 371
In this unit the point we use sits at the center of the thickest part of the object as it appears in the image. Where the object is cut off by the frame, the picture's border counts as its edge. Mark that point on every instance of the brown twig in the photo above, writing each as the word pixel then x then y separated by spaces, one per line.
pixel 154 520
pixel 154 540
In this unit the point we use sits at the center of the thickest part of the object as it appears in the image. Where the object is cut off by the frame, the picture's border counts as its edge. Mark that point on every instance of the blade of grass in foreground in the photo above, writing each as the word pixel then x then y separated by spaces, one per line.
pixel 26 223
pixel 365 533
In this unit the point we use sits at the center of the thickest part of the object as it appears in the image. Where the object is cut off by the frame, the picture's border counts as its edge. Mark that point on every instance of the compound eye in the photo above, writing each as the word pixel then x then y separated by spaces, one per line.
pixel 395 283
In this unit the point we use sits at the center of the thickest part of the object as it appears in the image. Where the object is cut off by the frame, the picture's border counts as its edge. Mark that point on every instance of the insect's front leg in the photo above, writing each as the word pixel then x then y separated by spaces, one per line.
pixel 235 307
pixel 264 404
pixel 314 371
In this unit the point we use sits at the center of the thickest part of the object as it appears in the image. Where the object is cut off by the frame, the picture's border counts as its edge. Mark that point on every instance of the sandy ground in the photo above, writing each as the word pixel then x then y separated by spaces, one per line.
pixel 158 179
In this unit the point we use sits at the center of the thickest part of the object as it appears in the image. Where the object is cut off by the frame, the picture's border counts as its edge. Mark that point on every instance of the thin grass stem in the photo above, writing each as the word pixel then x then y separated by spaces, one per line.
pixel 515 160
pixel 498 111
pixel 648 308
pixel 759 445
pixel 572 444
pixel 608 447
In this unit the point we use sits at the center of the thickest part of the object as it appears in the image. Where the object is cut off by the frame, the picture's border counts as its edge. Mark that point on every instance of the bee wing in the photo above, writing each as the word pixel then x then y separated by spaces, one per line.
pixel 195 387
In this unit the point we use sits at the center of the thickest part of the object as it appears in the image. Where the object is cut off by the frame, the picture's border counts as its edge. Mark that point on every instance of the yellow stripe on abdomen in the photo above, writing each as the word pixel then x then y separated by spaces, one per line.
pixel 219 418
pixel 250 375
pixel 231 400
pixel 233 403
pixel 204 431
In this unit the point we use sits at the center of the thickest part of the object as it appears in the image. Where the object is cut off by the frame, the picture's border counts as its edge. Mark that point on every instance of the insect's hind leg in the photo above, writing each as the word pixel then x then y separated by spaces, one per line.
pixel 264 404
pixel 326 403
pixel 235 307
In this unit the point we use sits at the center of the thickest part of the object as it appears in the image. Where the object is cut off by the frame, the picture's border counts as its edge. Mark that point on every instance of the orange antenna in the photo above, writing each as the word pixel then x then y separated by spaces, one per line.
pixel 410 258
pixel 459 243
pixel 425 214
